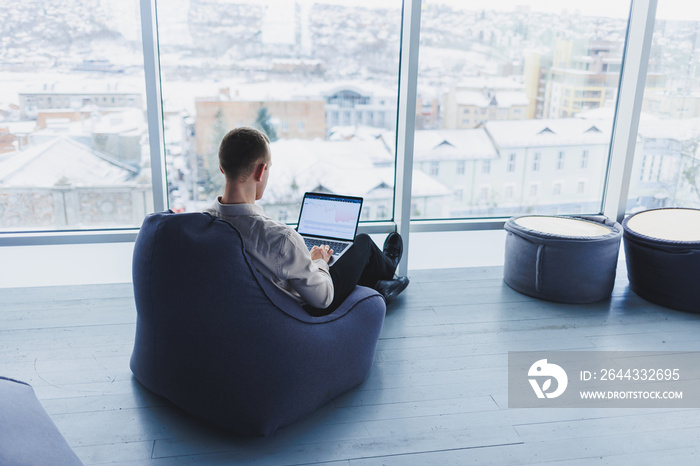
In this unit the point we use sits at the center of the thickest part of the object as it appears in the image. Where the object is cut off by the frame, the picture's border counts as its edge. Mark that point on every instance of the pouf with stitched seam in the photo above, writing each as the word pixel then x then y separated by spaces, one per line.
pixel 662 250
pixel 560 258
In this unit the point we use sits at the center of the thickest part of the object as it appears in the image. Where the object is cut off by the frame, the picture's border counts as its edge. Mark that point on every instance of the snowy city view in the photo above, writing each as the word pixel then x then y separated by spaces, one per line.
pixel 515 107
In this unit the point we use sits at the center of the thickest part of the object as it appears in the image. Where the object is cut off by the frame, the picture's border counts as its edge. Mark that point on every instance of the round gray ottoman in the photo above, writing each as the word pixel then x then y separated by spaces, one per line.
pixel 562 259
pixel 662 250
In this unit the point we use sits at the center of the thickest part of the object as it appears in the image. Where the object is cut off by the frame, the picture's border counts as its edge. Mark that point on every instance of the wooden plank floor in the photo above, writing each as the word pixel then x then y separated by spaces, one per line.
pixel 437 393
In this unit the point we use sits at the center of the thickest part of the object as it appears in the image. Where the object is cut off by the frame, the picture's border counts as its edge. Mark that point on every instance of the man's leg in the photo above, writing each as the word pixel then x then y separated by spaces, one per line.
pixel 363 264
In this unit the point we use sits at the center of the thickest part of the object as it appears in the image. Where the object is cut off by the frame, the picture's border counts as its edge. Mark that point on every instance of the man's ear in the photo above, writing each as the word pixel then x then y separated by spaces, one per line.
pixel 221 170
pixel 259 170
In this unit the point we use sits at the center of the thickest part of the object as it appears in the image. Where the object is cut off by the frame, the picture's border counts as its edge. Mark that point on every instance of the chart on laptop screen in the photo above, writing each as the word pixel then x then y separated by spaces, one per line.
pixel 330 217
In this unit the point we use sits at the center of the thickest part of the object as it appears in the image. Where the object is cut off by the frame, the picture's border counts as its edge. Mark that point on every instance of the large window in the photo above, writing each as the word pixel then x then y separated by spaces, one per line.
pixel 73 131
pixel 514 109
pixel 320 78
pixel 514 86
pixel 666 170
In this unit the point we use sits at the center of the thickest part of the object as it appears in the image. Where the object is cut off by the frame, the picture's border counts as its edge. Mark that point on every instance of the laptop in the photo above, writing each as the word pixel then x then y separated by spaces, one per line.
pixel 329 219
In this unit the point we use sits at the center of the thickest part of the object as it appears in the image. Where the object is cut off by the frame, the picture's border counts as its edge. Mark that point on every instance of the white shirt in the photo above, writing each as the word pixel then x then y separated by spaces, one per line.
pixel 279 253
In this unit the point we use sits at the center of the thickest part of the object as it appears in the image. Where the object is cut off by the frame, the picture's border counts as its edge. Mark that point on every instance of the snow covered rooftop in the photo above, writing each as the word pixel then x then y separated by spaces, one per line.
pixel 445 144
pixel 508 99
pixel 359 132
pixel 87 86
pixel 19 127
pixel 650 125
pixel 182 95
pixel 491 82
pixel 477 98
pixel 299 90
pixel 608 113
pixel 122 121
pixel 500 99
pixel 345 167
pixel 675 129
pixel 549 132
pixel 61 161
pixel 366 88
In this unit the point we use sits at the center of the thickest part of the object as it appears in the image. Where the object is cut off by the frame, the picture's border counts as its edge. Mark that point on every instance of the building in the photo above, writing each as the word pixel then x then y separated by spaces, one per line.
pixel 548 166
pixel 668 171
pixel 7 140
pixel 62 183
pixel 298 66
pixel 584 75
pixel 453 158
pixel 428 112
pixel 579 76
pixel 117 132
pixel 292 115
pixel 91 94
pixel 15 135
pixel 473 101
pixel 536 72
pixel 360 104
pixel 671 104
pixel 505 168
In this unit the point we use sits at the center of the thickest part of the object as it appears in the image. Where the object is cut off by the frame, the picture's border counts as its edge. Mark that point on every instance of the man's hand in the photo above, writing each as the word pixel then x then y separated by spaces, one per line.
pixel 321 252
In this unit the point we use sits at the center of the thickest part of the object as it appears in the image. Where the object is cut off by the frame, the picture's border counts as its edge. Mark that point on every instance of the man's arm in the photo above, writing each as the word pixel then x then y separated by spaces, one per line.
pixel 308 276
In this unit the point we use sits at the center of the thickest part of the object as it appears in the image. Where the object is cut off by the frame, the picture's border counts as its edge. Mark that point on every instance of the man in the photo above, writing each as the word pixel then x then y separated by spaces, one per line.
pixel 279 252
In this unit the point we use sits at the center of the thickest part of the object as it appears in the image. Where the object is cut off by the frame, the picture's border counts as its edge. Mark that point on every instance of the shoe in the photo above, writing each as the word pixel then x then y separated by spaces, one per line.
pixel 393 248
pixel 390 289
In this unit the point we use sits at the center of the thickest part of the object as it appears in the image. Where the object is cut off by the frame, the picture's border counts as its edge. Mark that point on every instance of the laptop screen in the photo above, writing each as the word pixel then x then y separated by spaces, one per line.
pixel 329 216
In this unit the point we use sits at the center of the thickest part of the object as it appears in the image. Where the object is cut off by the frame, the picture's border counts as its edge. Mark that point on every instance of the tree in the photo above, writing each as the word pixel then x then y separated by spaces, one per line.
pixel 263 123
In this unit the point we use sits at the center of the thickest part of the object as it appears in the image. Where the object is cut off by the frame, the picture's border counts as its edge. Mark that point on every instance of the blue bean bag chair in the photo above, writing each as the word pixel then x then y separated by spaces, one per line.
pixel 28 436
pixel 223 343
pixel 662 251
pixel 562 259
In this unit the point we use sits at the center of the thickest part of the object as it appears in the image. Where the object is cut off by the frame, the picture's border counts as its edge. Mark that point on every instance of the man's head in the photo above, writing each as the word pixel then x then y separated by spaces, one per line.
pixel 241 151
pixel 244 158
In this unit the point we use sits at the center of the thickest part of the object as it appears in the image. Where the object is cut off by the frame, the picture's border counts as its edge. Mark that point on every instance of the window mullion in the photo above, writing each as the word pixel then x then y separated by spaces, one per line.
pixel 629 106
pixel 154 104
pixel 408 81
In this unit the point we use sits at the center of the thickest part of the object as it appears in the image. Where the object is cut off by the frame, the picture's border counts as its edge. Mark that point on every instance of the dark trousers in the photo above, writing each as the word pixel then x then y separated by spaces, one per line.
pixel 363 264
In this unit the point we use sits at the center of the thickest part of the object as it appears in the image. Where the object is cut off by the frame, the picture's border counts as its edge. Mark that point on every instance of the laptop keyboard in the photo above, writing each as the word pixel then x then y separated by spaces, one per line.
pixel 335 246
